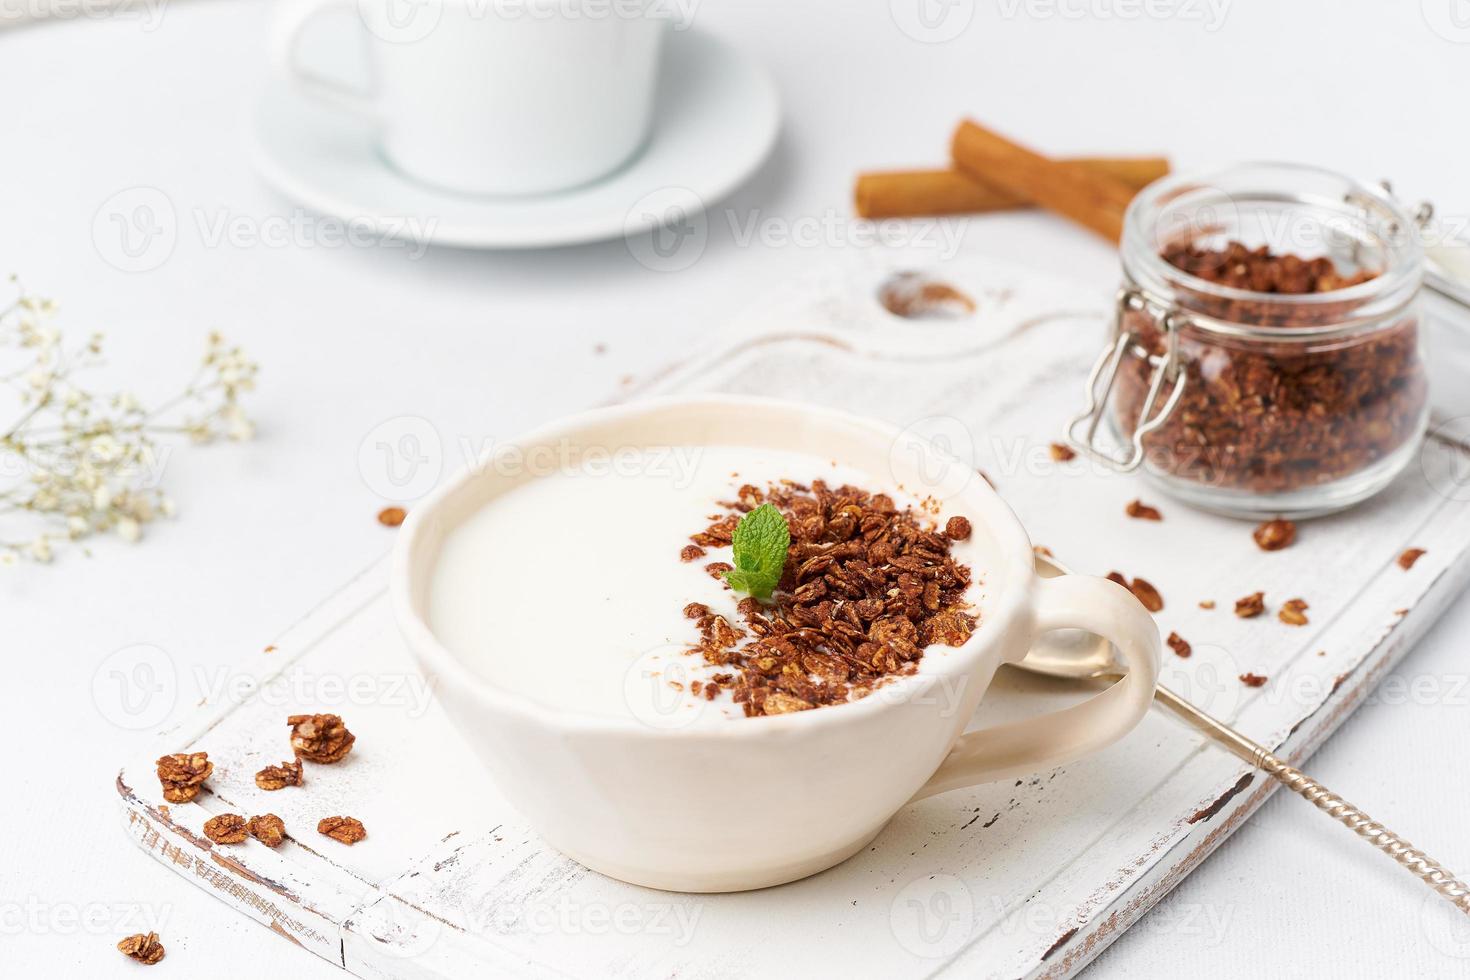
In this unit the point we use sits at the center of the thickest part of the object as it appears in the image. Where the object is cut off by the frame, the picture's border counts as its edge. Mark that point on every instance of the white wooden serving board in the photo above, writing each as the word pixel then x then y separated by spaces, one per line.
pixel 1029 878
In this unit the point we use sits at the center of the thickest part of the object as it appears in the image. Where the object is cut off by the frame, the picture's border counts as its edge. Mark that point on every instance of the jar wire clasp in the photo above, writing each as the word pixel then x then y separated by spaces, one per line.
pixel 1081 430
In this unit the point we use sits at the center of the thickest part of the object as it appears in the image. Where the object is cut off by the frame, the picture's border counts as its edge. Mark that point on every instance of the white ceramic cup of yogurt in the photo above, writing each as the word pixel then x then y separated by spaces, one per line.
pixel 738 803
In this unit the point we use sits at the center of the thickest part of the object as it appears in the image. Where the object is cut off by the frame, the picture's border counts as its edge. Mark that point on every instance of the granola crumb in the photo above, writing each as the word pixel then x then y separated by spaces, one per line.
pixel 182 773
pixel 271 648
pixel 1179 645
pixel 1147 594
pixel 1253 680
pixel 320 738
pixel 1061 453
pixel 391 516
pixel 957 528
pixel 1043 551
pixel 1411 555
pixel 1207 603
pixel 1142 589
pixel 1251 605
pixel 1142 511
pixel 1274 535
pixel 146 949
pixel 717 569
pixel 691 552
pixel 1293 612
pixel 267 828
pixel 227 828
pixel 347 830
pixel 272 778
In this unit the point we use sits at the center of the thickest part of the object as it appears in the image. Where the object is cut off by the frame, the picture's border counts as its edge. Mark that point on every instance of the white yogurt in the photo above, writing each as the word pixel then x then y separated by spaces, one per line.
pixel 569 589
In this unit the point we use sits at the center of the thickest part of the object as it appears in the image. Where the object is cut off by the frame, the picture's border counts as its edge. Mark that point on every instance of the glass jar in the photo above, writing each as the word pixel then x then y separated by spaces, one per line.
pixel 1253 402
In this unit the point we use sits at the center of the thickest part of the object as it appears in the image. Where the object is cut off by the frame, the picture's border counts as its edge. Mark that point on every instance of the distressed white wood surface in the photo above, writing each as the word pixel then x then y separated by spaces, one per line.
pixel 1030 878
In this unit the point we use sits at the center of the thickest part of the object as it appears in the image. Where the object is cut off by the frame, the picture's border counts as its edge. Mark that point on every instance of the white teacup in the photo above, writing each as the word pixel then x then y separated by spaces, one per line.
pixel 759 801
pixel 494 96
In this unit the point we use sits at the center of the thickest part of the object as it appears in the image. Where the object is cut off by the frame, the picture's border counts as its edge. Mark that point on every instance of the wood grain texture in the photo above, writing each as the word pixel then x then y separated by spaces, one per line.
pixel 1027 878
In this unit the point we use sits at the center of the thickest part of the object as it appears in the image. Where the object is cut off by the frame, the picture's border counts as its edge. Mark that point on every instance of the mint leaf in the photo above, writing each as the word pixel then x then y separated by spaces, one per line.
pixel 760 542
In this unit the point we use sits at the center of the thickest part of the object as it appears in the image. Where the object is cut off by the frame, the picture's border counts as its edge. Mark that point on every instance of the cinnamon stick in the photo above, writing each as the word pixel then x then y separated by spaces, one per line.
pixel 1092 199
pixel 920 193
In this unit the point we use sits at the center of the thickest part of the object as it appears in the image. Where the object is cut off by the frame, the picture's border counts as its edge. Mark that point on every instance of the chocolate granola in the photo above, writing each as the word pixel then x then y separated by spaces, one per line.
pixel 267 828
pixel 320 738
pixel 227 828
pixel 866 587
pixel 272 778
pixel 347 830
pixel 182 773
pixel 1275 416
pixel 145 948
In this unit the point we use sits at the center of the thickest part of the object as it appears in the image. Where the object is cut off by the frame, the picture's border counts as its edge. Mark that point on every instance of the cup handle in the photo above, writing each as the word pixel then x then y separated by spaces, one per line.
pixel 289 20
pixel 1022 747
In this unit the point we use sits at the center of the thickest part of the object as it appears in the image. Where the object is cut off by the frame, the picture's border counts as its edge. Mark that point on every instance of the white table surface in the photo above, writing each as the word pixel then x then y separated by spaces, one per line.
pixel 486 344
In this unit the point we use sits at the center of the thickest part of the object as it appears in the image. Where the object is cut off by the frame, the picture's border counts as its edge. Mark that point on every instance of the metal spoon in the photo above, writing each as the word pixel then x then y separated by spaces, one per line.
pixel 1078 654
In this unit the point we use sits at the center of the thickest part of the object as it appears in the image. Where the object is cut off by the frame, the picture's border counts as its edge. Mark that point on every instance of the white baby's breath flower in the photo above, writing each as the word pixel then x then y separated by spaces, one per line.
pixel 87 461
pixel 237 426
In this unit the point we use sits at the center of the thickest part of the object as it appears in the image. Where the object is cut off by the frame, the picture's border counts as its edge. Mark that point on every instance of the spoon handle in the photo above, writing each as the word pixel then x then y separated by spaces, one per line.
pixel 1421 865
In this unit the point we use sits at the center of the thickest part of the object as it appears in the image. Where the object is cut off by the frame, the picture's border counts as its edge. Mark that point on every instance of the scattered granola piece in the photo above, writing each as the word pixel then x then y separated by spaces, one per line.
pixel 1179 645
pixel 279 777
pixel 391 516
pixel 146 949
pixel 227 828
pixel 182 773
pixel 1274 535
pixel 348 830
pixel 1207 603
pixel 691 552
pixel 1407 559
pixel 1143 512
pixel 1251 605
pixel 1293 612
pixel 1147 594
pixel 1062 453
pixel 1141 588
pixel 320 738
pixel 957 528
pixel 267 828
pixel 717 569
pixel 1253 680
pixel 270 649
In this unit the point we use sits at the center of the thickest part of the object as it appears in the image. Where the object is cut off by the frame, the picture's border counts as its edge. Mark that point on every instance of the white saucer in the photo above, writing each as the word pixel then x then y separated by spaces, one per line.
pixel 716 122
